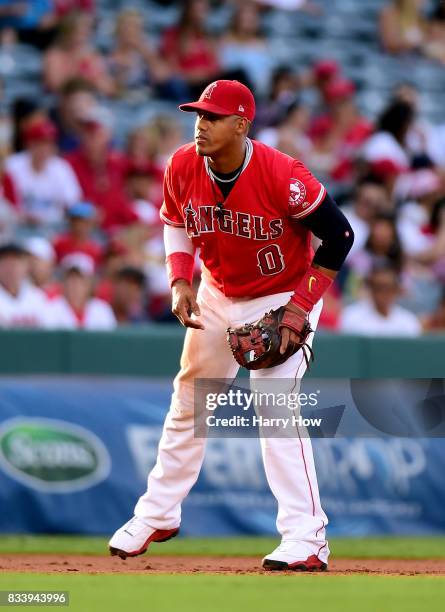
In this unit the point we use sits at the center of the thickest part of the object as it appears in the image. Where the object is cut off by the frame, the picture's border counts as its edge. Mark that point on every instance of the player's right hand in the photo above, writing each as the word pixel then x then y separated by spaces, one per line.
pixel 184 304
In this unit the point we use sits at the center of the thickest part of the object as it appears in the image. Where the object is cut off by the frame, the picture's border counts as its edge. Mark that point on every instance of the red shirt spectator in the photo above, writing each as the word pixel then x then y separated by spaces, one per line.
pixel 341 131
pixel 101 172
pixel 188 48
pixel 78 239
pixel 65 244
pixel 196 56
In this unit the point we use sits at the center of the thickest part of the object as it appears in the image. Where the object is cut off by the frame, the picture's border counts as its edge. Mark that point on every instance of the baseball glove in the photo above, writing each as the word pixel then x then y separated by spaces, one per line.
pixel 257 345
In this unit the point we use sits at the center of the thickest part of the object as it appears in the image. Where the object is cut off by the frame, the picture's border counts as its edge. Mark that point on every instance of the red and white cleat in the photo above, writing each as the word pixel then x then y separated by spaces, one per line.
pixel 288 557
pixel 133 538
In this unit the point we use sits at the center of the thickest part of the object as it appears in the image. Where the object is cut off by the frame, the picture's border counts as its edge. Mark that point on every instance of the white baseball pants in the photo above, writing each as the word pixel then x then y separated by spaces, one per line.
pixel 288 461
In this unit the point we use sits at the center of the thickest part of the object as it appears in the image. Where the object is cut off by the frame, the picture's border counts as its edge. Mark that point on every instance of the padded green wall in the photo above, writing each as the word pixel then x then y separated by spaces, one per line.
pixel 155 351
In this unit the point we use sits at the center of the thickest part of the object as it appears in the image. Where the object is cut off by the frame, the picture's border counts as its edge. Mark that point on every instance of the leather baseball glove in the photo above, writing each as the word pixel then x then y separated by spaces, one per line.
pixel 257 345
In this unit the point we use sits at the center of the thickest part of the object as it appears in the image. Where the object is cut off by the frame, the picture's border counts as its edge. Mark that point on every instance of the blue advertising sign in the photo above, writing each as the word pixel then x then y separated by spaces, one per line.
pixel 75 453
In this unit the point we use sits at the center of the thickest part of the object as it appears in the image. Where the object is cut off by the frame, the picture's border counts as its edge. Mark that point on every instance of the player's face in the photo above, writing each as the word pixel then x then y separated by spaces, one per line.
pixel 215 133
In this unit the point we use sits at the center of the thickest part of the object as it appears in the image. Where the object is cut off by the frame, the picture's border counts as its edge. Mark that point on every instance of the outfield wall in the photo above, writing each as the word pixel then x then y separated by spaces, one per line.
pixel 155 351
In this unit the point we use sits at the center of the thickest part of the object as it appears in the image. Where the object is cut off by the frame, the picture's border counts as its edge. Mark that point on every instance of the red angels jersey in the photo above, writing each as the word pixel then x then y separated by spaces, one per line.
pixel 254 244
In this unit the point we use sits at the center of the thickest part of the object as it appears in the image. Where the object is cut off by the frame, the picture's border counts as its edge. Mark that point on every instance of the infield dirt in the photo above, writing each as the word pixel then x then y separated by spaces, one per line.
pixel 152 564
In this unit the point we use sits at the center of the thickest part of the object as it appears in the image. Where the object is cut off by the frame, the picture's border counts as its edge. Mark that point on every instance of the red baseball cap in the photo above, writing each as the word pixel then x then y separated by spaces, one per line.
pixel 326 69
pixel 40 129
pixel 386 168
pixel 339 90
pixel 224 98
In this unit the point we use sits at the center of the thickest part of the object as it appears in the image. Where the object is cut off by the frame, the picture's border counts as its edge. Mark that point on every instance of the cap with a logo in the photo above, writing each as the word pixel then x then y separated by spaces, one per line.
pixel 224 98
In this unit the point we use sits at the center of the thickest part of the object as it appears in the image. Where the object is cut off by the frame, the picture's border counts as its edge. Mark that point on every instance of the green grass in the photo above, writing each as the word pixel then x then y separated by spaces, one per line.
pixel 238 593
pixel 366 548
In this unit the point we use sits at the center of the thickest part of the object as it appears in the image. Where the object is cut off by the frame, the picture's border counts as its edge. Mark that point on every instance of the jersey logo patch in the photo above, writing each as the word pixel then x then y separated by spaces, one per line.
pixel 297 192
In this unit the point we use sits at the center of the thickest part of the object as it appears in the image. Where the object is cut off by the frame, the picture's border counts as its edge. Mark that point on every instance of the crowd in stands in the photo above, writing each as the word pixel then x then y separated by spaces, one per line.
pixel 80 236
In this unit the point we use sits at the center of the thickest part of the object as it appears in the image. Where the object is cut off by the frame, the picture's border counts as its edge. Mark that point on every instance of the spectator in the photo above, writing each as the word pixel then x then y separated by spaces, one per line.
pixel 379 315
pixel 338 134
pixel 189 49
pixel 387 147
pixel 76 99
pixel 101 171
pixel 283 91
pixel 423 139
pixel 143 146
pixel 370 198
pixel 78 238
pixel 76 308
pixel 289 136
pixel 45 182
pixel 381 248
pixel 423 240
pixel 139 185
pixel 129 298
pixel 402 26
pixel 32 20
pixel 41 264
pixel 21 304
pixel 144 242
pixel 24 111
pixel 421 226
pixel 135 64
pixel 72 56
pixel 244 47
pixel 323 73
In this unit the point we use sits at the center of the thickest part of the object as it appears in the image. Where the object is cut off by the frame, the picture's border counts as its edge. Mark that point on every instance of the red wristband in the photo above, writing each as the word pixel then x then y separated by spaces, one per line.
pixel 310 289
pixel 180 266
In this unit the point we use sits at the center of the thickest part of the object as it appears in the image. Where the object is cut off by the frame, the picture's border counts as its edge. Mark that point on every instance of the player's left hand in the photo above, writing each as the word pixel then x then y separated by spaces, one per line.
pixel 296 318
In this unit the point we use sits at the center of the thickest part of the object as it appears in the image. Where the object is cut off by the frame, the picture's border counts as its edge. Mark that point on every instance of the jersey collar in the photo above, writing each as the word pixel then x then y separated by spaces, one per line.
pixel 249 152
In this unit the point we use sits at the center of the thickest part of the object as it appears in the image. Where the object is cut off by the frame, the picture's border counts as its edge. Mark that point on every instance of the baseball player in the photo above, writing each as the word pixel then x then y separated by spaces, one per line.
pixel 251 210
